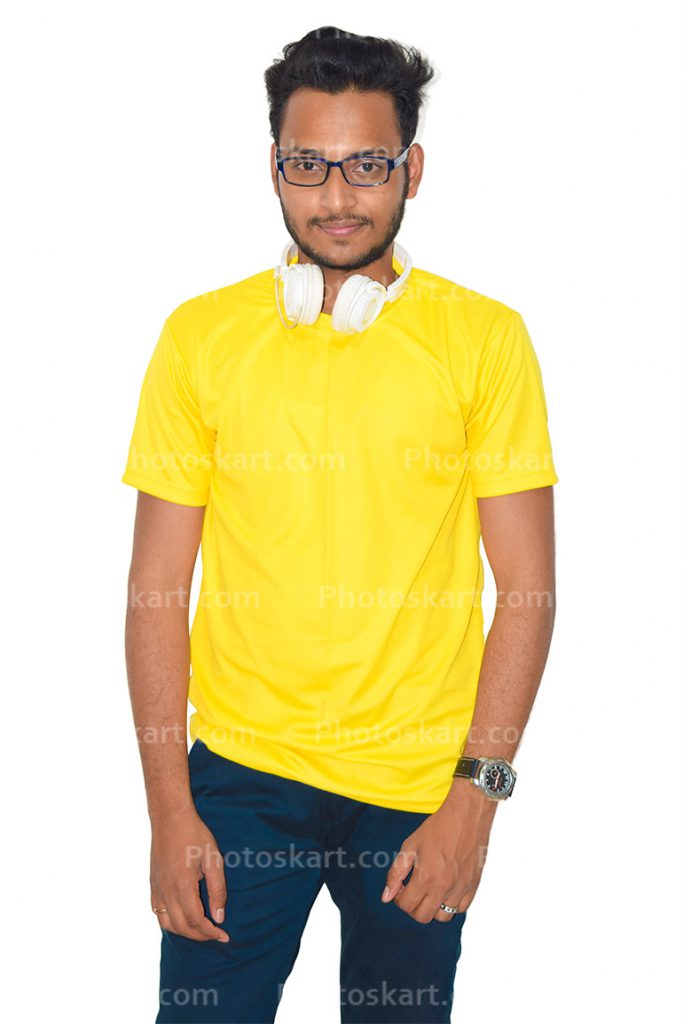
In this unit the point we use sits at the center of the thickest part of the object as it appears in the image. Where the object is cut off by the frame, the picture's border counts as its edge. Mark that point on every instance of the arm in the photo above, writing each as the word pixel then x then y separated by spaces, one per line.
pixel 519 539
pixel 448 850
pixel 165 545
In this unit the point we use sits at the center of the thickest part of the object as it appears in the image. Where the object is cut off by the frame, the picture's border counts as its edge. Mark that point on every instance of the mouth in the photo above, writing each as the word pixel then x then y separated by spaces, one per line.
pixel 342 229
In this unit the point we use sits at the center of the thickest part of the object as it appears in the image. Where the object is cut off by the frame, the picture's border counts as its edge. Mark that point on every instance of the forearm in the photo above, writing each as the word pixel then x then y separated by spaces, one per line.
pixel 514 658
pixel 158 659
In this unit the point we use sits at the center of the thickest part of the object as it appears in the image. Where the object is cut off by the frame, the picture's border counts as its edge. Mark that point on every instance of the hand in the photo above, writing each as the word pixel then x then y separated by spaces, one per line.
pixel 183 851
pixel 447 854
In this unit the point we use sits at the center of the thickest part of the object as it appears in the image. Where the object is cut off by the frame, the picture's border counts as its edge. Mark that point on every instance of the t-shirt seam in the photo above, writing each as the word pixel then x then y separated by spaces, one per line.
pixel 136 474
pixel 488 341
pixel 494 332
pixel 190 370
pixel 530 475
pixel 193 376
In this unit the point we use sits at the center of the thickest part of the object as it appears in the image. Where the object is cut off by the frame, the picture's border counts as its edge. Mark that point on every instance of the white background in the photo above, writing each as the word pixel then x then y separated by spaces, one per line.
pixel 552 183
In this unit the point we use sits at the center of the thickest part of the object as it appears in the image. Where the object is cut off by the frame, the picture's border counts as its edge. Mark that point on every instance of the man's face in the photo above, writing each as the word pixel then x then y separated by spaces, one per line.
pixel 337 126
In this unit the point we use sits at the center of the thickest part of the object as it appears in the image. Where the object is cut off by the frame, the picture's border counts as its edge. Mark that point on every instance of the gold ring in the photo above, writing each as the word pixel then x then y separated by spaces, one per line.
pixel 160 910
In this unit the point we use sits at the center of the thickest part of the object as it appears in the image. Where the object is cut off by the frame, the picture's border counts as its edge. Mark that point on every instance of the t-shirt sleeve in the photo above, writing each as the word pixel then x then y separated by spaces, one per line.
pixel 508 442
pixel 171 449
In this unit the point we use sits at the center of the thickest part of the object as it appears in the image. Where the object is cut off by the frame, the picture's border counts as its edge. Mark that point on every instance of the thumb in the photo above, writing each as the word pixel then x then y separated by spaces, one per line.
pixel 213 868
pixel 401 866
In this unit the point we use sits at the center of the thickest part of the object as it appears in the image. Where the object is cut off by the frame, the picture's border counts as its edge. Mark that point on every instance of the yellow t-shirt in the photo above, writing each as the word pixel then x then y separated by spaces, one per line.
pixel 339 634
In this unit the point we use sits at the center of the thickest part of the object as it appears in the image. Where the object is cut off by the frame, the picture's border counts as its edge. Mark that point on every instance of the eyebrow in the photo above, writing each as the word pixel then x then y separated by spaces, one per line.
pixel 316 152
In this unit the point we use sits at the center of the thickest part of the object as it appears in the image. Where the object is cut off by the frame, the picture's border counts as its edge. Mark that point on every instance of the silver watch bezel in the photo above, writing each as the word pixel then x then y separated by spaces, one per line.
pixel 477 778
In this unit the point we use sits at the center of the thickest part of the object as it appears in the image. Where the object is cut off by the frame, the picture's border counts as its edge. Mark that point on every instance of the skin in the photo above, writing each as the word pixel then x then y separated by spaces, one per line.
pixel 447 852
pixel 337 126
pixel 165 544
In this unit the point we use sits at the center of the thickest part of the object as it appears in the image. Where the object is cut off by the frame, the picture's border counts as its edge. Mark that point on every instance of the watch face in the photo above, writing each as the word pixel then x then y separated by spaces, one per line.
pixel 496 778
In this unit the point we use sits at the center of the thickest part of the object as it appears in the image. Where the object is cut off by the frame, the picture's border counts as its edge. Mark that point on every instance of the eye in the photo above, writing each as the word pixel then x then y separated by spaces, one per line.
pixel 306 166
pixel 370 170
pixel 368 166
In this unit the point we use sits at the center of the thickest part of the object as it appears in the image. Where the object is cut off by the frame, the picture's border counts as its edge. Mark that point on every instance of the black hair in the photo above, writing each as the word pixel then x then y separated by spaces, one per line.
pixel 332 61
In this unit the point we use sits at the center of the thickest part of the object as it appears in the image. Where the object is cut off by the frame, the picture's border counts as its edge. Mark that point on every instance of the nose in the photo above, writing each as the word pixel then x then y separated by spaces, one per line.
pixel 336 193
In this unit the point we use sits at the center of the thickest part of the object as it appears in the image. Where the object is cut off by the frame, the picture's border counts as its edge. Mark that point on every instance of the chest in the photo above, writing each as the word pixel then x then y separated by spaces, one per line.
pixel 388 393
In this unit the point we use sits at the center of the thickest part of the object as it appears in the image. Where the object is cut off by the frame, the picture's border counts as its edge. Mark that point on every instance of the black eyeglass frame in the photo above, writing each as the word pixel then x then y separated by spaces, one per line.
pixel 392 164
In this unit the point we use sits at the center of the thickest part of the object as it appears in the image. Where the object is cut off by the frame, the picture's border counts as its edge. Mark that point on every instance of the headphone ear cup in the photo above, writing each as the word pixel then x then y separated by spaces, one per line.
pixel 359 302
pixel 303 292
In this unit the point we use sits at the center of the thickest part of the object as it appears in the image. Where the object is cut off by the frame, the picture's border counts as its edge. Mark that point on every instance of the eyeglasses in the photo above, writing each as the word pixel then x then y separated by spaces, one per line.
pixel 361 170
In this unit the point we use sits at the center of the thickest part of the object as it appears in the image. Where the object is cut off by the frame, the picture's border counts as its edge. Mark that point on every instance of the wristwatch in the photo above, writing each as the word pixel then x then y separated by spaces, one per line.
pixel 494 775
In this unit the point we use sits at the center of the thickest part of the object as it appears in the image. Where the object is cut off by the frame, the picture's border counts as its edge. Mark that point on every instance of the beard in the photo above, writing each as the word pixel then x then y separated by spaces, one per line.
pixel 357 262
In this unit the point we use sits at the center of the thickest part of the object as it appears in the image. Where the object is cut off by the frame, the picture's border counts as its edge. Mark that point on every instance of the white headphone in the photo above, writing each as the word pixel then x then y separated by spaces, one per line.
pixel 359 300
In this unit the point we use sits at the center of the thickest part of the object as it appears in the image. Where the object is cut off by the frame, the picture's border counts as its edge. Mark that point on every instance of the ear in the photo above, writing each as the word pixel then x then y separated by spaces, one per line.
pixel 274 173
pixel 415 163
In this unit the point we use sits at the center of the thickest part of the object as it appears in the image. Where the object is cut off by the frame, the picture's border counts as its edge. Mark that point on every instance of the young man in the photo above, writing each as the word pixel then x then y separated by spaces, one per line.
pixel 338 436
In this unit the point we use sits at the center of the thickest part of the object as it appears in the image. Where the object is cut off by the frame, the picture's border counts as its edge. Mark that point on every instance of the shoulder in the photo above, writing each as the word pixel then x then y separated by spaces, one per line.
pixel 197 318
pixel 472 317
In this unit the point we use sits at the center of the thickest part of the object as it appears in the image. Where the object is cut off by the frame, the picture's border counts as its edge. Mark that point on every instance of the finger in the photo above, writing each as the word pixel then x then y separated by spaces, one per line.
pixel 400 867
pixel 194 922
pixel 451 899
pixel 214 873
pixel 164 920
pixel 159 907
pixel 461 902
pixel 171 919
pixel 168 913
pixel 414 894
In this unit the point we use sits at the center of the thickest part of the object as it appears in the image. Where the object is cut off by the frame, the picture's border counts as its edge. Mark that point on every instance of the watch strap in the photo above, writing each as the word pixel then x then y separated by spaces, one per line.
pixel 466 767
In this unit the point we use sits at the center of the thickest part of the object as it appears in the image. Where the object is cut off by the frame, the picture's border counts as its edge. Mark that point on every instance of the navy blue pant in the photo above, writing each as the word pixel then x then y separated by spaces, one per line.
pixel 281 841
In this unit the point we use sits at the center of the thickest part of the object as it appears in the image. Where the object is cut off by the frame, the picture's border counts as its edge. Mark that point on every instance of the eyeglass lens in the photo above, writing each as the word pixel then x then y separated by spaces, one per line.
pixel 357 171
